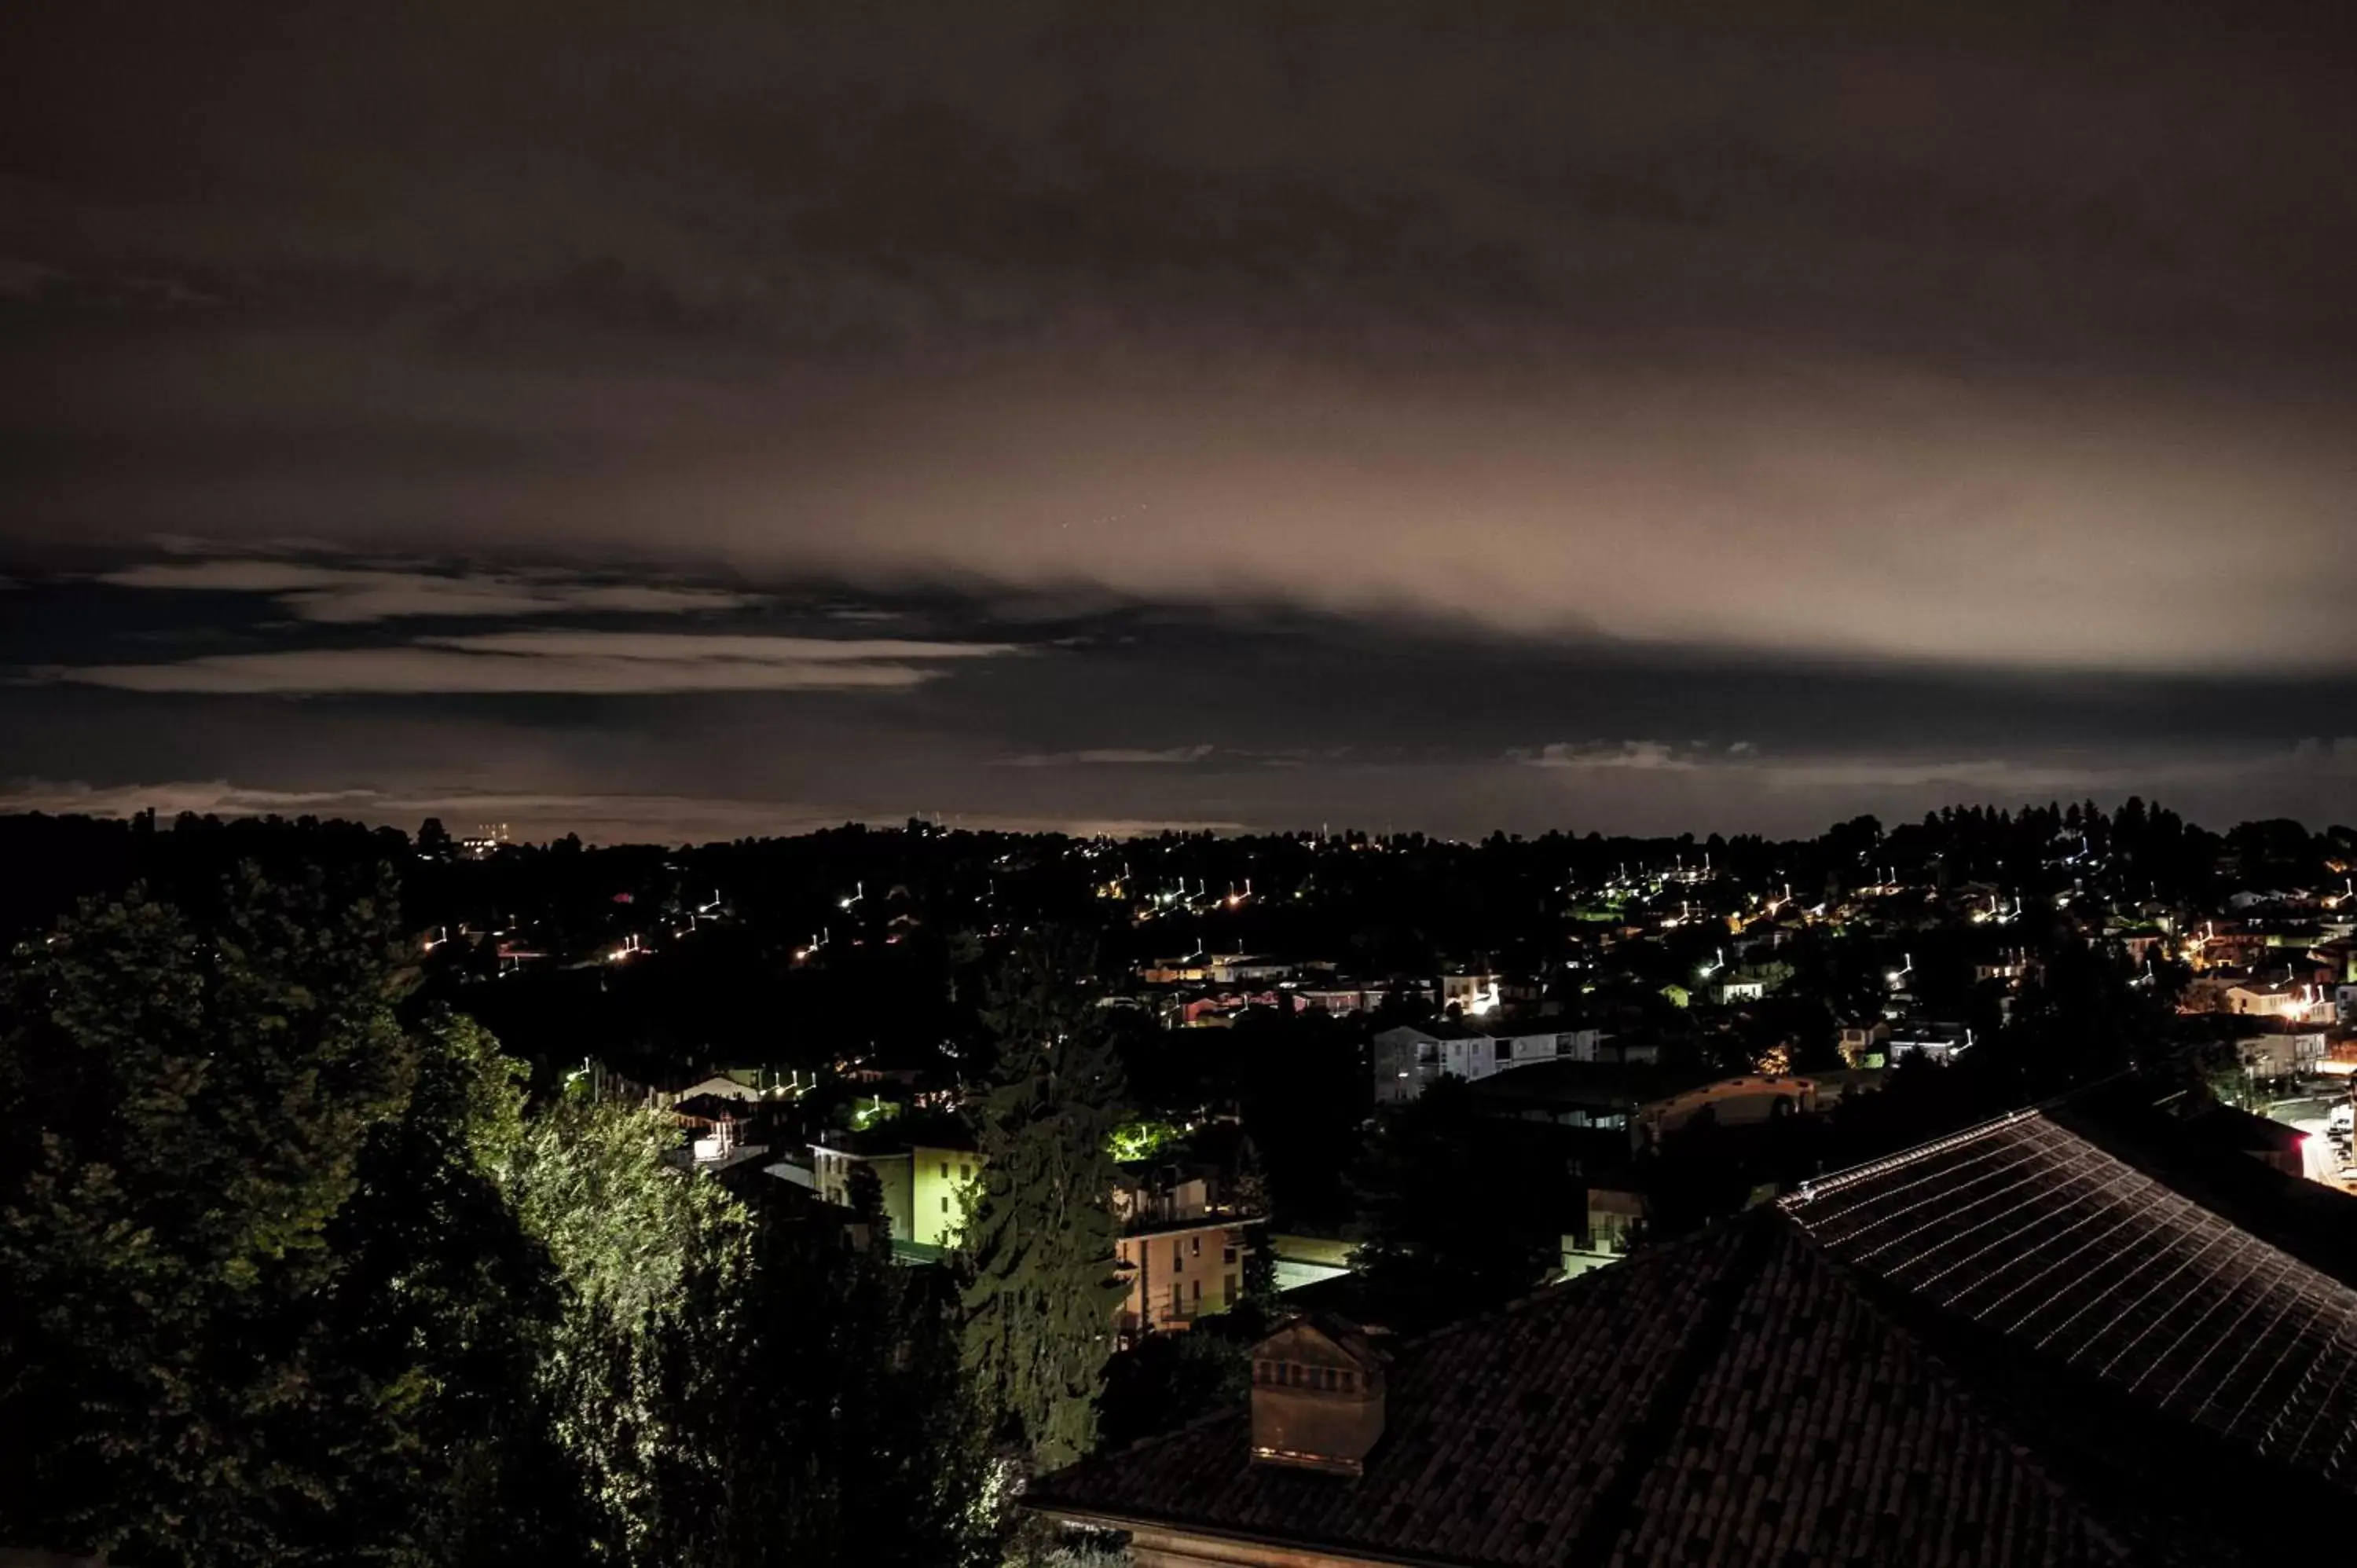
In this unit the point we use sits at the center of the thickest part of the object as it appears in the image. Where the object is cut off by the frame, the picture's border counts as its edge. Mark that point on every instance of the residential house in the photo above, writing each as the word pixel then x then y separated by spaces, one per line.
pixel 1863 1044
pixel 714 1147
pixel 1182 1247
pixel 1218 1011
pixel 1243 969
pixel 1338 996
pixel 2298 1000
pixel 1471 995
pixel 1543 1039
pixel 1740 987
pixel 741 1083
pixel 2011 968
pixel 1407 1057
pixel 1934 1042
pixel 2285 1047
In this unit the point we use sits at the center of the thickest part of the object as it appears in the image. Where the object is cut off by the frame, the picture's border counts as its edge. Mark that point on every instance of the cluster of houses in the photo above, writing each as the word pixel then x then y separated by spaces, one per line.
pixel 1188 1223
pixel 1556 1048
pixel 1209 990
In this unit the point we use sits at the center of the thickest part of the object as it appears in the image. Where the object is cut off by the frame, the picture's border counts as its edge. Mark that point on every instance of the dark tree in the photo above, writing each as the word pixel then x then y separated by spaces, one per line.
pixel 1040 1247
pixel 843 1412
pixel 1458 1211
pixel 226 1339
pixel 1167 1380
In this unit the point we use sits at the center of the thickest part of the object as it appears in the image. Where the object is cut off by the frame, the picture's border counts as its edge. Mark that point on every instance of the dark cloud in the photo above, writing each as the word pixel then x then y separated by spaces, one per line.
pixel 1112 757
pixel 592 664
pixel 335 593
pixel 1424 411
pixel 1071 712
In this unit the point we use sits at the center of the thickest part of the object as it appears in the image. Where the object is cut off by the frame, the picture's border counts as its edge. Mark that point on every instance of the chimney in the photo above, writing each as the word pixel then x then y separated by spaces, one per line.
pixel 1318 1396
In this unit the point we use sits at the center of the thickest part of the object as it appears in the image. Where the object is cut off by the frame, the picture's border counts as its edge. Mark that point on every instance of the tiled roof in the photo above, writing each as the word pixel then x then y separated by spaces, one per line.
pixel 2043 1238
pixel 1730 1400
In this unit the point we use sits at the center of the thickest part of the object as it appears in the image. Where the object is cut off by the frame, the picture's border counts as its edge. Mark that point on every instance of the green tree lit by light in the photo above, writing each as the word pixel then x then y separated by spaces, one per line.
pixel 1142 1138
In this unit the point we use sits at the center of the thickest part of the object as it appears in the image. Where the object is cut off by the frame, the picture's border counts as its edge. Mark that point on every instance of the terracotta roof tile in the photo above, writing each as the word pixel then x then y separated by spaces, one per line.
pixel 1728 1400
pixel 2038 1235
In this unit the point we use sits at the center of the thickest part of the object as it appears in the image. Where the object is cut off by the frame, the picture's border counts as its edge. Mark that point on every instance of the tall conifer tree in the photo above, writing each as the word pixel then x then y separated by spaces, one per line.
pixel 1040 1243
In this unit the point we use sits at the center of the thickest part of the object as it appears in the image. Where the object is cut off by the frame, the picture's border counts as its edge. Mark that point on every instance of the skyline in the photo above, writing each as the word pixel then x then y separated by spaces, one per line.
pixel 1716 420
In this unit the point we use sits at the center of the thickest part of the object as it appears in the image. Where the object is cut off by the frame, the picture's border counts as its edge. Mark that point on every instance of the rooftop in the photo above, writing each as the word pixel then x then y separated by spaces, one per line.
pixel 2040 1235
pixel 1726 1400
pixel 2005 1346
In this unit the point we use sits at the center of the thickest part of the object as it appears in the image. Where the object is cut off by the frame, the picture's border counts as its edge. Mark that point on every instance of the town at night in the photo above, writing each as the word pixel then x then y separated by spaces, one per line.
pixel 1269 786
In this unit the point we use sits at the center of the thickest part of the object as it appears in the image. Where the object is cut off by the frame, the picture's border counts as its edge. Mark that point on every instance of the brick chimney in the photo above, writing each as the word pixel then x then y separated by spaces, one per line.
pixel 1318 1396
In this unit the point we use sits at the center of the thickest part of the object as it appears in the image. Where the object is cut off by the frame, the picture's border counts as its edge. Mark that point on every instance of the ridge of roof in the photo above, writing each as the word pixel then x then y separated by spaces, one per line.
pixel 1816 1187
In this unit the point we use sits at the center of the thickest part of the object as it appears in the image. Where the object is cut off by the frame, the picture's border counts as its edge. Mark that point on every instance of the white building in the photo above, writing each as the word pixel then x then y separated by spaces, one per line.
pixel 1408 1059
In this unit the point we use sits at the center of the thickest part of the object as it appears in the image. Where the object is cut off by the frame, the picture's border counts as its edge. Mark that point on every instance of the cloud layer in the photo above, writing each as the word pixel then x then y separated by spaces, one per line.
pixel 350 594
pixel 1112 757
pixel 550 663
pixel 1922 332
pixel 1666 416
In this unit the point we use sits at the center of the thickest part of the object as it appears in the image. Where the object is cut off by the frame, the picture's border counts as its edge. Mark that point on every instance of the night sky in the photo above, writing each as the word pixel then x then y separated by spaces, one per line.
pixel 682 421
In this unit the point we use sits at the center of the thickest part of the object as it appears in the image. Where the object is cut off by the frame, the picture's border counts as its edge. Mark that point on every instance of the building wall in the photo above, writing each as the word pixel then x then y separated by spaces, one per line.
pixel 2280 1053
pixel 939 1182
pixel 1153 1546
pixel 1406 1060
pixel 1471 1057
pixel 1399 1059
pixel 1203 1264
pixel 831 1178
